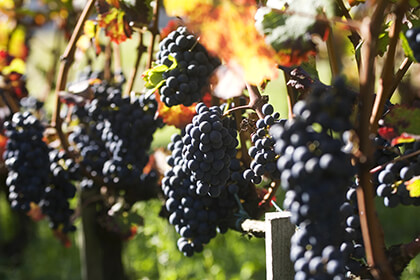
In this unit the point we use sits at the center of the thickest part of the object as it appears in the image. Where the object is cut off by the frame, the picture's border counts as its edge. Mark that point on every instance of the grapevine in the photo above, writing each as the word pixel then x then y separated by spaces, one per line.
pixel 87 149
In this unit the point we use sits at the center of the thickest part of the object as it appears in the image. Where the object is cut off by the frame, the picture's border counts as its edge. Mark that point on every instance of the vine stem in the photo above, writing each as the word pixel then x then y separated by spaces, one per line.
pixel 371 228
pixel 108 61
pixel 116 57
pixel 65 62
pixel 154 29
pixel 386 81
pixel 405 65
pixel 256 101
pixel 133 73
pixel 246 159
pixel 377 168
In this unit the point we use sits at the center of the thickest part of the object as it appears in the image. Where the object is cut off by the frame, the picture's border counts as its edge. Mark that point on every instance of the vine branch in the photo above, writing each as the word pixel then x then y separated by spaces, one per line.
pixel 386 80
pixel 405 65
pixel 246 159
pixel 256 101
pixel 377 168
pixel 154 29
pixel 65 63
pixel 371 229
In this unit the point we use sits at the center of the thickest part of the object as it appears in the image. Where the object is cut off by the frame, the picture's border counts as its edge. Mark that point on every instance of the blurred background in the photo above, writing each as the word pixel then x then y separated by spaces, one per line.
pixel 28 249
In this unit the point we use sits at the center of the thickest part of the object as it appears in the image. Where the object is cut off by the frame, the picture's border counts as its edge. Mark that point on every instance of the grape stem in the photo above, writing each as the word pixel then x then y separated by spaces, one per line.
pixel 371 228
pixel 256 101
pixel 386 81
pixel 245 158
pixel 379 167
pixel 65 62
pixel 405 65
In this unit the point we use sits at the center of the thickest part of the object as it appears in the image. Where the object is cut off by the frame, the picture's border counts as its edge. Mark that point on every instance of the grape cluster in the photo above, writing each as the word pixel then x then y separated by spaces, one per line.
pixel 352 247
pixel 114 135
pixel 37 173
pixel 196 218
pixel 54 202
pixel 262 152
pixel 209 145
pixel 314 165
pixel 26 158
pixel 414 41
pixel 186 83
pixel 384 152
pixel 390 180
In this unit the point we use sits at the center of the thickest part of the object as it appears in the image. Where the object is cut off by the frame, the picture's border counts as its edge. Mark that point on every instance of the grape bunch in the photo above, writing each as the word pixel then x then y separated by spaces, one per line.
pixel 314 165
pixel 352 247
pixel 390 181
pixel 209 145
pixel 114 135
pixel 54 202
pixel 37 173
pixel 262 152
pixel 27 160
pixel 186 83
pixel 384 152
pixel 197 218
pixel 414 41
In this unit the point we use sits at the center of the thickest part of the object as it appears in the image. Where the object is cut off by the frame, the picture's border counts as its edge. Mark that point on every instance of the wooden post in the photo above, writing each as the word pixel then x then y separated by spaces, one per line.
pixel 101 251
pixel 279 230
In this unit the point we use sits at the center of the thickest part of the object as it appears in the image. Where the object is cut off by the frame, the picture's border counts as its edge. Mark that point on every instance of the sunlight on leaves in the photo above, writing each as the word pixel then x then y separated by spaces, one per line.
pixel 227 29
pixel 116 28
pixel 413 186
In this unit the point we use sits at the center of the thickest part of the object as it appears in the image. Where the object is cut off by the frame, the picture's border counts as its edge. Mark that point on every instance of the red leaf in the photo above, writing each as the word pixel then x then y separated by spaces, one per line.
pixel 403 138
pixel 178 116
pixel 115 25
pixel 387 133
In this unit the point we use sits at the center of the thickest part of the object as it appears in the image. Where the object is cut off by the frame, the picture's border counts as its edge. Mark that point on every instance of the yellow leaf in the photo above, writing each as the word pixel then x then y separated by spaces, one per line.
pixel 17 65
pixel 183 7
pixel 17 46
pixel 90 28
pixel 413 186
pixel 7 4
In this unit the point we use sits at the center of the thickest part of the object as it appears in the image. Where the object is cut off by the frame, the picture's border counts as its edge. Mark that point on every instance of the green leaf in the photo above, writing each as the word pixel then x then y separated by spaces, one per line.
pixel 310 68
pixel 406 47
pixel 383 39
pixel 154 77
pixel 288 26
pixel 404 119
